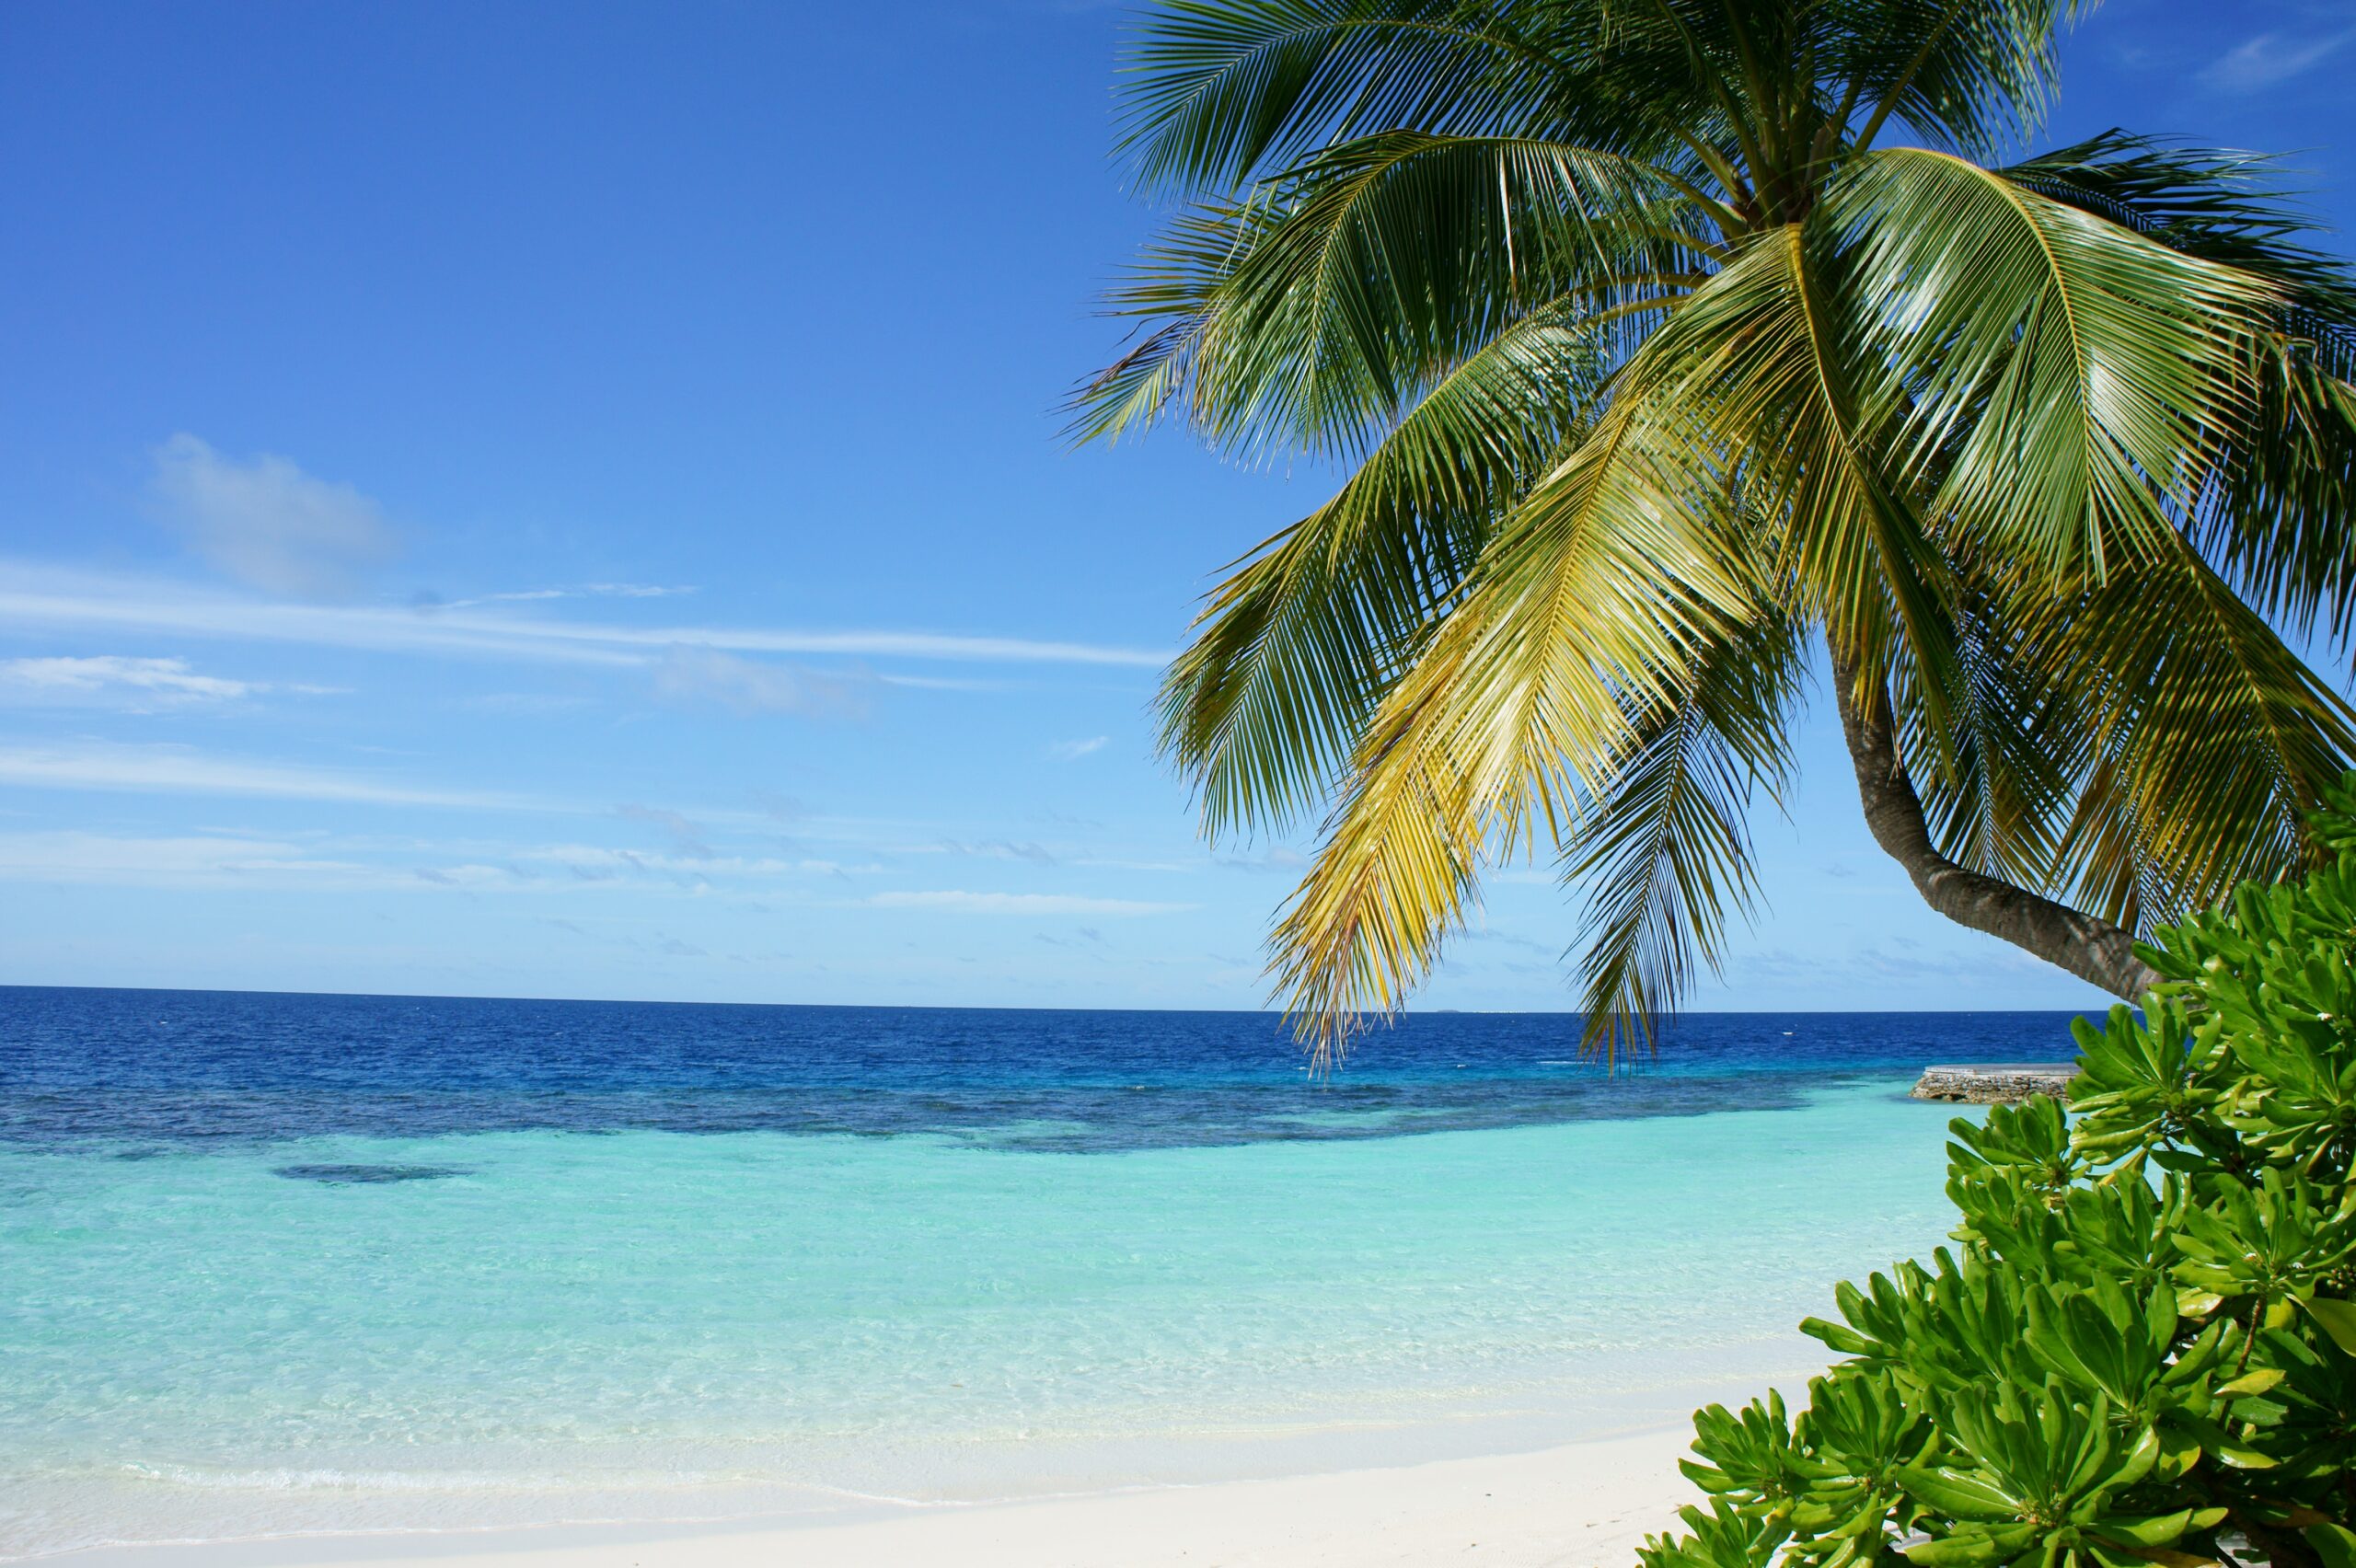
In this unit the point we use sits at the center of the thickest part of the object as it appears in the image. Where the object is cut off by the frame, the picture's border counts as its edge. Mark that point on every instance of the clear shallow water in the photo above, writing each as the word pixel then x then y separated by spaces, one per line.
pixel 288 1263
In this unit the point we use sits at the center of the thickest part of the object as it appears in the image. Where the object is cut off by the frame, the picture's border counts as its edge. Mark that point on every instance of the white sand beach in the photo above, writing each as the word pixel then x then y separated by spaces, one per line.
pixel 1581 1505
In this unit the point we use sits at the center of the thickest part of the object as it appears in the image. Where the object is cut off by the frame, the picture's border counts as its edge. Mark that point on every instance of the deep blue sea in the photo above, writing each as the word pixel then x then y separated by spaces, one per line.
pixel 283 1263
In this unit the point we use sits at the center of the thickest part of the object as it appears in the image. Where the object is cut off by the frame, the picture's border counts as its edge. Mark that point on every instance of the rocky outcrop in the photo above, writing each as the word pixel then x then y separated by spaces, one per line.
pixel 1995 1083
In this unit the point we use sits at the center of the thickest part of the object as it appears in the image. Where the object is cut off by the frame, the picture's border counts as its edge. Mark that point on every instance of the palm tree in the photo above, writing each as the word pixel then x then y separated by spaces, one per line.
pixel 1658 338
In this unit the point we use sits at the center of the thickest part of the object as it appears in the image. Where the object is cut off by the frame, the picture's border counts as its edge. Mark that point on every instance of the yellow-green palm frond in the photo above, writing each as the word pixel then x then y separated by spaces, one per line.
pixel 1848 532
pixel 1221 94
pixel 2209 741
pixel 1590 605
pixel 1263 708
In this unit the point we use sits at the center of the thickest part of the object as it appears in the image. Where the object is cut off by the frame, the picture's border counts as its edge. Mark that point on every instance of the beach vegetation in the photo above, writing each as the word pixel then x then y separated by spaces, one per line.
pixel 1670 352
pixel 2142 1347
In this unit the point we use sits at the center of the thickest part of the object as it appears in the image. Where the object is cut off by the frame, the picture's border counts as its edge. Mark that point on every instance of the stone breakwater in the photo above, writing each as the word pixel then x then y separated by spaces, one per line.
pixel 1995 1083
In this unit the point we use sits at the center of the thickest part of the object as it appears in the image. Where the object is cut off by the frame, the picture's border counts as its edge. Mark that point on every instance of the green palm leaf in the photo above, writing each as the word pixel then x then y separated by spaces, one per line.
pixel 1663 850
pixel 2063 379
pixel 1309 317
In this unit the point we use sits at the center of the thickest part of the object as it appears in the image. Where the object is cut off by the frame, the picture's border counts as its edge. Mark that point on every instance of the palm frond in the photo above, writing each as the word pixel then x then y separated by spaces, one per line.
pixel 1308 318
pixel 1852 537
pixel 2211 741
pixel 1221 93
pixel 1995 760
pixel 1663 851
pixel 2064 380
pixel 1293 649
pixel 2219 205
pixel 2280 518
pixel 2278 512
pixel 1590 605
pixel 1970 77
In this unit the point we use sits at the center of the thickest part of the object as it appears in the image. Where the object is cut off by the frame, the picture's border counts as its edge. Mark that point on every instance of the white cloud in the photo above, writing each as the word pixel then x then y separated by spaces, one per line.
pixel 751 686
pixel 180 771
pixel 211 859
pixel 269 523
pixel 224 856
pixel 2270 58
pixel 1071 751
pixel 894 644
pixel 963 903
pixel 170 860
pixel 522 597
pixel 585 590
pixel 991 849
pixel 163 680
pixel 37 595
pixel 136 683
pixel 687 836
pixel 1276 858
pixel 46 598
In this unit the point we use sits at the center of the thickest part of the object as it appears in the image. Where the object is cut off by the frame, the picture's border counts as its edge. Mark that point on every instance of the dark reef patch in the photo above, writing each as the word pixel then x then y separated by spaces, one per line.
pixel 357 1175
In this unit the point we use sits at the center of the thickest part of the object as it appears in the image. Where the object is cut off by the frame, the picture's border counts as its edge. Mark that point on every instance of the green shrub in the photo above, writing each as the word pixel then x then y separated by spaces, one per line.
pixel 2142 1348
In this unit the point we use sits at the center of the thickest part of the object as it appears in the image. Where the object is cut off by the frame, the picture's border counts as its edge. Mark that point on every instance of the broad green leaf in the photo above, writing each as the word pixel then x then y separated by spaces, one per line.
pixel 2335 1543
pixel 2338 1319
pixel 2255 1382
pixel 2157 1531
pixel 1964 1495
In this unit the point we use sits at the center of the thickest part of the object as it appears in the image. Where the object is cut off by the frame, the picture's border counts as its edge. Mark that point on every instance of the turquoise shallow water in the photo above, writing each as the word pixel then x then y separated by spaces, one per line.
pixel 214 1337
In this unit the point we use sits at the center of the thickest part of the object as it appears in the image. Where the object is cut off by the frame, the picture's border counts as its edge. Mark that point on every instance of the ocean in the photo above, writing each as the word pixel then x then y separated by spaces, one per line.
pixel 274 1264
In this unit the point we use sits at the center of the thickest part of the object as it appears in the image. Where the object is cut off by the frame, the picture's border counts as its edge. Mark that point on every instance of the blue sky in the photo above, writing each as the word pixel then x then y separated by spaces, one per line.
pixel 566 501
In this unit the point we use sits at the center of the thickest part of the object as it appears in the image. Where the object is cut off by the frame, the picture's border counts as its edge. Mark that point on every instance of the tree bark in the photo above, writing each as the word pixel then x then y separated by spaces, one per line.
pixel 2086 945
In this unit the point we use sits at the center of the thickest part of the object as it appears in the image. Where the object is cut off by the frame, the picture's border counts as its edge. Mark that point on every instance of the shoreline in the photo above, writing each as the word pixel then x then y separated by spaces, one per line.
pixel 1583 1504
pixel 1177 1484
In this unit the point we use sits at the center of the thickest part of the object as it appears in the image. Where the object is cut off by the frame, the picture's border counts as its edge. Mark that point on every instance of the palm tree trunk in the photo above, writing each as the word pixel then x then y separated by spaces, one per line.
pixel 2086 945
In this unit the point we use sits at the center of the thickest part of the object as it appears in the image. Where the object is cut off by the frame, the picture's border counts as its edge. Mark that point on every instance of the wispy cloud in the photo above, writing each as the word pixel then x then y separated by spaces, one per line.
pixel 685 837
pixel 267 522
pixel 215 860
pixel 38 596
pixel 581 590
pixel 990 849
pixel 875 644
pixel 114 677
pixel 223 858
pixel 1276 858
pixel 750 686
pixel 186 770
pixel 41 597
pixel 170 861
pixel 162 770
pixel 963 903
pixel 1072 751
pixel 2272 57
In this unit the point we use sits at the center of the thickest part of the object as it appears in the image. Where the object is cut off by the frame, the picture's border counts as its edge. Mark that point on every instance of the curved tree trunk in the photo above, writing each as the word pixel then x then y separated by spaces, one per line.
pixel 2086 945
